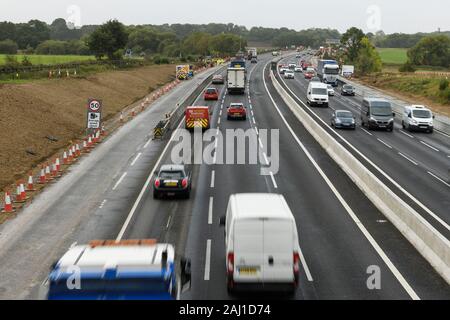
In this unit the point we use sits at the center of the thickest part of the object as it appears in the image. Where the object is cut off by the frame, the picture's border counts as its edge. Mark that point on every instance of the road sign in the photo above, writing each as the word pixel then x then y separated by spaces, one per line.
pixel 94 114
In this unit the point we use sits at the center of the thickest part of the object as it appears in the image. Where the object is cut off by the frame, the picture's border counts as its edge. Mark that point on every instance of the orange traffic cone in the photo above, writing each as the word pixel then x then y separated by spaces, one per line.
pixel 85 146
pixel 18 198
pixel 8 205
pixel 77 150
pixel 48 176
pixel 70 156
pixel 121 117
pixel 30 186
pixel 58 165
pixel 65 159
pixel 42 177
pixel 142 106
pixel 23 193
pixel 133 113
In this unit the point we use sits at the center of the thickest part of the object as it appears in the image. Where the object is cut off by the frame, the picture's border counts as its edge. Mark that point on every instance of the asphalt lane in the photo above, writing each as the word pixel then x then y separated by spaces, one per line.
pixel 404 156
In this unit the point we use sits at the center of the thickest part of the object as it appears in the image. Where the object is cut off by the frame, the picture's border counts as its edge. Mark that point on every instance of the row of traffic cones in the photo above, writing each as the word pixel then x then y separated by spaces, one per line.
pixel 49 172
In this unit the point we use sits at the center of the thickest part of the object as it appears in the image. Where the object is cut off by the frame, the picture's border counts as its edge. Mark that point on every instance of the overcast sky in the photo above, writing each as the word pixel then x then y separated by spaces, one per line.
pixel 408 16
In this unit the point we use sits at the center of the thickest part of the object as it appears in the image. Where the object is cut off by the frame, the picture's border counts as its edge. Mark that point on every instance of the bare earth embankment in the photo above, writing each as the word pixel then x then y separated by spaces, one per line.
pixel 32 111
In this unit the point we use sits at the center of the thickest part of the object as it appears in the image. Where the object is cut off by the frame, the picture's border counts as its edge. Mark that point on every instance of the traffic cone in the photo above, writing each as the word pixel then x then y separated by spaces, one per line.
pixel 8 208
pixel 58 165
pixel 142 106
pixel 133 113
pixel 30 185
pixel 89 143
pixel 23 193
pixel 18 198
pixel 74 153
pixel 54 172
pixel 121 117
pixel 85 146
pixel 147 100
pixel 48 176
pixel 98 136
pixel 42 177
pixel 70 156
pixel 77 150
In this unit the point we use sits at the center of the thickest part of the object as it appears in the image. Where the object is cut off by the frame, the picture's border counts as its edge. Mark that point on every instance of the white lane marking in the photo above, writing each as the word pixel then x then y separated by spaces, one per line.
pixel 217 131
pixel 119 181
pixel 168 222
pixel 366 131
pixel 218 121
pixel 305 266
pixel 208 259
pixel 251 107
pixel 145 187
pixel 431 147
pixel 407 134
pixel 210 210
pixel 349 210
pixel 257 132
pixel 273 180
pixel 260 143
pixel 407 158
pixel 136 159
pixel 220 113
pixel 213 177
pixel 435 176
pixel 147 143
pixel 384 143
pixel 444 134
pixel 266 159
pixel 102 204
pixel 409 195
pixel 254 122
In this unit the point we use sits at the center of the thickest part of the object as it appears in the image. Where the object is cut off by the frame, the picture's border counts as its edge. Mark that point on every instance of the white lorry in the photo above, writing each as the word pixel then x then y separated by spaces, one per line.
pixel 236 80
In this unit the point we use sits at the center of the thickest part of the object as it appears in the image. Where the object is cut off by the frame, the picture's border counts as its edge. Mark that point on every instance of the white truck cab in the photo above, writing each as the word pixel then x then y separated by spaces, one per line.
pixel 261 241
pixel 317 94
pixel 417 117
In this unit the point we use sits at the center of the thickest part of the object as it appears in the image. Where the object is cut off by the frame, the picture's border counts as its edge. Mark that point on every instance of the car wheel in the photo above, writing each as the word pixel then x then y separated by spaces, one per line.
pixel 430 130
pixel 187 195
pixel 155 195
pixel 228 118
pixel 403 124
pixel 244 118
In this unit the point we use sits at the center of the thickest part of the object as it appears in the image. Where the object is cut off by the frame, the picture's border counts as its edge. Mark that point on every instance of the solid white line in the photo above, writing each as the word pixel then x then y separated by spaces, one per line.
pixel 432 174
pixel 409 159
pixel 260 143
pixel 305 266
pixel 257 132
pixel 384 143
pixel 208 259
pixel 265 158
pixel 119 181
pixel 431 147
pixel 147 143
pixel 366 131
pixel 218 121
pixel 273 180
pixel 168 222
pixel 220 113
pixel 349 210
pixel 213 175
pixel 210 210
pixel 444 134
pixel 145 187
pixel 406 134
pixel 135 159
pixel 254 122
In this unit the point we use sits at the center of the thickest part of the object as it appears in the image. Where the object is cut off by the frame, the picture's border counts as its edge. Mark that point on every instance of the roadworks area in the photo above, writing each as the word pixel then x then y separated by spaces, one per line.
pixel 40 119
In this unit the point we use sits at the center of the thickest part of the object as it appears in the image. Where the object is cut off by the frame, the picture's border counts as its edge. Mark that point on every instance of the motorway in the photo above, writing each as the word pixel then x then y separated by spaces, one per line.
pixel 108 195
pixel 418 162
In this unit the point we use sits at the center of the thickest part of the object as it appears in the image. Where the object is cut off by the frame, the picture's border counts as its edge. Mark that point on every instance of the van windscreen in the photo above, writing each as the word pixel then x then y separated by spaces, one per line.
pixel 320 91
pixel 423 114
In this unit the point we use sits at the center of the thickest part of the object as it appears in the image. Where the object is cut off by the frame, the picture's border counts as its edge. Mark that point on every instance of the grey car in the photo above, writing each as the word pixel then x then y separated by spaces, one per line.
pixel 172 180
pixel 343 119
pixel 347 90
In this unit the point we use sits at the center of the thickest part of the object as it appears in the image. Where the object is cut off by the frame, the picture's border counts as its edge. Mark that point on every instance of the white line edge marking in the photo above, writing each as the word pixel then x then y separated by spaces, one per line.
pixel 407 158
pixel 431 147
pixel 119 181
pixel 273 180
pixel 384 143
pixel 208 259
pixel 260 143
pixel 384 174
pixel 407 134
pixel 213 176
pixel 366 131
pixel 210 210
pixel 265 158
pixel 136 159
pixel 168 222
pixel 147 143
pixel 349 210
pixel 435 176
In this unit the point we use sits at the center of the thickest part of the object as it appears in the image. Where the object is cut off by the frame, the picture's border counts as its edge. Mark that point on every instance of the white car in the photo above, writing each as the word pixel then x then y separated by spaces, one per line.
pixel 298 69
pixel 417 118
pixel 292 66
pixel 330 90
pixel 289 74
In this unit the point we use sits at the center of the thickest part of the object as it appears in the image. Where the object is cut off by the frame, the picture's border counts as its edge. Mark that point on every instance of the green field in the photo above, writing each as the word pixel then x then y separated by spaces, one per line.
pixel 49 59
pixel 393 55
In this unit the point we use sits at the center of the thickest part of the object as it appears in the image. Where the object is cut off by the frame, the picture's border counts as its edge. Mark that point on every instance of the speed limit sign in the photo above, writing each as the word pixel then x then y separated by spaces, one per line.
pixel 94 113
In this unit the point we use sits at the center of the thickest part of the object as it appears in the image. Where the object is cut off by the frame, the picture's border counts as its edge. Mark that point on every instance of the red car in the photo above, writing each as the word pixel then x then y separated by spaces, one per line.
pixel 236 111
pixel 211 94
pixel 309 75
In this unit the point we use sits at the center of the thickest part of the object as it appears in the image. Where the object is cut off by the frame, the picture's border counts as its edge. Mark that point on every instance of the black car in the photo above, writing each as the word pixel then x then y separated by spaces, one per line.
pixel 172 180
pixel 347 90
pixel 343 119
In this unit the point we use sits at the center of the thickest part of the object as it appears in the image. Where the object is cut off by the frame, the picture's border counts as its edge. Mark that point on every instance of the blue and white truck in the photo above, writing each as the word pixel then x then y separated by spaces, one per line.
pixel 119 270
pixel 328 71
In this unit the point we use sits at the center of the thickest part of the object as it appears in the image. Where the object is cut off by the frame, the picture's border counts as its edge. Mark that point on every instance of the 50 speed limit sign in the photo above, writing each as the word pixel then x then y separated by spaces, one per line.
pixel 94 113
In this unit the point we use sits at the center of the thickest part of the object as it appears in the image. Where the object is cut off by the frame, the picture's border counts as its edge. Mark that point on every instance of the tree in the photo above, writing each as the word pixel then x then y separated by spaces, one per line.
pixel 145 39
pixel 197 43
pixel 108 39
pixel 431 51
pixel 227 44
pixel 8 47
pixel 52 47
pixel 60 31
pixel 368 60
pixel 352 40
pixel 32 33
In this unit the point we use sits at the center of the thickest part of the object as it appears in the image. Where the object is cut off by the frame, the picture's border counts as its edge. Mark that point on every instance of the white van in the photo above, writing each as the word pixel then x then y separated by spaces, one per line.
pixel 417 117
pixel 317 94
pixel 261 241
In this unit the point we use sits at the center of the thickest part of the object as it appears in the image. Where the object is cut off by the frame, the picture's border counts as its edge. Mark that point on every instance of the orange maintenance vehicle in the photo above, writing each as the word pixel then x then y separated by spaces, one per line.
pixel 197 116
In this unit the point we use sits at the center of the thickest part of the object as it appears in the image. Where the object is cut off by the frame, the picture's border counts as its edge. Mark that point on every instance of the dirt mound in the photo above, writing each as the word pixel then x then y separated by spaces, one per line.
pixel 32 113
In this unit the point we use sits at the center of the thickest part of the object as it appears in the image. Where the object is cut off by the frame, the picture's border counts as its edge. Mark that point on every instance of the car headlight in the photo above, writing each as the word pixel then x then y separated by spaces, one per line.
pixel 338 120
pixel 373 119
pixel 414 121
pixel 391 120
